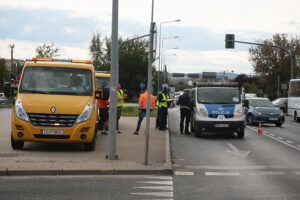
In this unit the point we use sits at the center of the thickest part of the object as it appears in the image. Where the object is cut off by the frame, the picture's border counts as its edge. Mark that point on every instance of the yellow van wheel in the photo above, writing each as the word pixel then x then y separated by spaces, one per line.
pixel 91 145
pixel 16 144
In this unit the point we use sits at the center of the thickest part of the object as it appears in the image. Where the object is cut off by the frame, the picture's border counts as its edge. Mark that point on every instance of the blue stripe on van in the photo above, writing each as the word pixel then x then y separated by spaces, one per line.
pixel 220 109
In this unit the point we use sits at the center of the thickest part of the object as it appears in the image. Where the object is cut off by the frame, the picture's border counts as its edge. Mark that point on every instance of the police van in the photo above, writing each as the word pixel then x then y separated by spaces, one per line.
pixel 218 107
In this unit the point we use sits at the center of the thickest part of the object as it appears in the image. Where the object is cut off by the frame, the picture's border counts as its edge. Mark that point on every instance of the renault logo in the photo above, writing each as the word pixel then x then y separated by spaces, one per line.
pixel 53 109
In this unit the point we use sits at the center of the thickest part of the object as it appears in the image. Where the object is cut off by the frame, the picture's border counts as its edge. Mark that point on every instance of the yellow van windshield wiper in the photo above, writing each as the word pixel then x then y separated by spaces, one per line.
pixel 34 92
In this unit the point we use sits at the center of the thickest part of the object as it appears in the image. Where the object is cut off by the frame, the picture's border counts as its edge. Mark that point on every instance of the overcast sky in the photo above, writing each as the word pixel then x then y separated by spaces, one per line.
pixel 70 24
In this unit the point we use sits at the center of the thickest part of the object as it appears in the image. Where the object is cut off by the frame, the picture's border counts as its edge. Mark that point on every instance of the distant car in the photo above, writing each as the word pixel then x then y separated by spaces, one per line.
pixel 262 110
pixel 250 95
pixel 3 100
pixel 281 103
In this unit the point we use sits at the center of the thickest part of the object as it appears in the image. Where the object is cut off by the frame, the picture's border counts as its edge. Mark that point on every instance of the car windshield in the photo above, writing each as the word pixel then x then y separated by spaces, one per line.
pixel 261 103
pixel 279 101
pixel 57 80
pixel 213 95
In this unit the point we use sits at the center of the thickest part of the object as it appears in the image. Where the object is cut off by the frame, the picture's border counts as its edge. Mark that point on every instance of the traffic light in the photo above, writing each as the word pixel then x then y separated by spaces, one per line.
pixel 6 89
pixel 229 41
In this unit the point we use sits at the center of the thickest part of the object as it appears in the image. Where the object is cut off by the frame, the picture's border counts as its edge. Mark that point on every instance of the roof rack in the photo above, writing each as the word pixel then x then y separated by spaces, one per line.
pixel 60 60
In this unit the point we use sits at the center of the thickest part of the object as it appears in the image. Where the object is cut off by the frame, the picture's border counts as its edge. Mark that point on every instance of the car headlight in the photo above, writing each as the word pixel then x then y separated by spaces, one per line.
pixel 203 112
pixel 86 113
pixel 238 113
pixel 20 111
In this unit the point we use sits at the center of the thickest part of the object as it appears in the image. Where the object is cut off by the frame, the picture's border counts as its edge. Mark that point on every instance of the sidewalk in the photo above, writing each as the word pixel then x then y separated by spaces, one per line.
pixel 65 159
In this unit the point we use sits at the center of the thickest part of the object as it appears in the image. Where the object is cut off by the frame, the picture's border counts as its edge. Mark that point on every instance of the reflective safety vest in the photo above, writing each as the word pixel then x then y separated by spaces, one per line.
pixel 165 98
pixel 120 94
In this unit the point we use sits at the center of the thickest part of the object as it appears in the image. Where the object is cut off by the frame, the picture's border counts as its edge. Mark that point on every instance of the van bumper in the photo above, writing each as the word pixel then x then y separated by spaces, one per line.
pixel 215 126
pixel 79 133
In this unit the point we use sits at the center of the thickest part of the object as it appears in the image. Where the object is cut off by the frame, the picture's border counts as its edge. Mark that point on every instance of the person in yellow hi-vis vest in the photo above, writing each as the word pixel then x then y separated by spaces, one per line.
pixel 162 99
pixel 120 103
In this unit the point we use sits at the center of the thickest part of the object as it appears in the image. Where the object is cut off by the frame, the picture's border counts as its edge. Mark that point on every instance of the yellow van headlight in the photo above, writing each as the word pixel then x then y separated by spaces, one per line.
pixel 86 113
pixel 20 111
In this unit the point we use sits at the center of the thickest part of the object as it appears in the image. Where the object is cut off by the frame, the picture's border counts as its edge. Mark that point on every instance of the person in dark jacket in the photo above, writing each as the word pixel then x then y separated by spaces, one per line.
pixel 185 111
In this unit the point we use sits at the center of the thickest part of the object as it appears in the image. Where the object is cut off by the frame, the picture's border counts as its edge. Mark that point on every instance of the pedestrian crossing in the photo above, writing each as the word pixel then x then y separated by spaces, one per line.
pixel 154 188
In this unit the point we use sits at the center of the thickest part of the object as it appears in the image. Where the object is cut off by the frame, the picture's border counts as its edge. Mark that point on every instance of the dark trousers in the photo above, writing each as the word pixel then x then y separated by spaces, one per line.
pixel 142 114
pixel 157 118
pixel 163 112
pixel 119 110
pixel 184 116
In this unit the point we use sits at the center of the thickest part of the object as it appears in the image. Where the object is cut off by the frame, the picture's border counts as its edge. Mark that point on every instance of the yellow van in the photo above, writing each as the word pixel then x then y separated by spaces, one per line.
pixel 103 78
pixel 56 103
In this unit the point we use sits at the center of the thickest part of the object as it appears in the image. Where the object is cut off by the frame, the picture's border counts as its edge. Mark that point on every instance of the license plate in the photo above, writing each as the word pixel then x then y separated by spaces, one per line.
pixel 273 118
pixel 222 125
pixel 52 132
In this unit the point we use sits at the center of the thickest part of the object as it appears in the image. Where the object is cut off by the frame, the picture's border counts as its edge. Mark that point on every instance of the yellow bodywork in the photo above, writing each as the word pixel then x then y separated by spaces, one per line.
pixel 64 105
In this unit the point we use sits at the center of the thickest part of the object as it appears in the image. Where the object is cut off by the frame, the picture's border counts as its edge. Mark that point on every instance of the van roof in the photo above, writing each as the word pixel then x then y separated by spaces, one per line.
pixel 58 64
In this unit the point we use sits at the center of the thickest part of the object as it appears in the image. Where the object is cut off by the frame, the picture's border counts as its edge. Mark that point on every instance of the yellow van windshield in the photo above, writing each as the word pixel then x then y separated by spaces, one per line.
pixel 57 80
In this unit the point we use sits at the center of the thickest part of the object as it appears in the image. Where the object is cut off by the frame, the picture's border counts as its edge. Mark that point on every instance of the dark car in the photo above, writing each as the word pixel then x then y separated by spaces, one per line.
pixel 262 110
pixel 281 103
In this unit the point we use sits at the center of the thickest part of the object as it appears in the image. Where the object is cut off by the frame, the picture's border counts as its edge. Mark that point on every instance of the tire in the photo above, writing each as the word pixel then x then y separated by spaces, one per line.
pixel 17 145
pixel 241 133
pixel 296 118
pixel 278 124
pixel 250 120
pixel 197 131
pixel 91 145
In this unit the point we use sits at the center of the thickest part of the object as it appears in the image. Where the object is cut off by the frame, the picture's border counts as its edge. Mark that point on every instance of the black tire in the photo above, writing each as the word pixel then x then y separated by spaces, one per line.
pixel 278 124
pixel 197 131
pixel 241 133
pixel 91 145
pixel 250 120
pixel 17 145
pixel 296 118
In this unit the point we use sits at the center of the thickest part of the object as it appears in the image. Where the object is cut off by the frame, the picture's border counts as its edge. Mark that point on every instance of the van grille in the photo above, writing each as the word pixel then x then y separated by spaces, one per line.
pixel 51 136
pixel 52 120
pixel 216 116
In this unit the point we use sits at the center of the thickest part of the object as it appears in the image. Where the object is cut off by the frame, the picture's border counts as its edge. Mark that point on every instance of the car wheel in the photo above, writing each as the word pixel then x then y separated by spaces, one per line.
pixel 16 144
pixel 250 120
pixel 91 145
pixel 278 124
pixel 197 131
pixel 296 118
pixel 241 133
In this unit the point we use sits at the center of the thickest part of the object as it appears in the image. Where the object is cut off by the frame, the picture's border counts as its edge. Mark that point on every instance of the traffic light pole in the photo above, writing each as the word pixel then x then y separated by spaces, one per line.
pixel 267 45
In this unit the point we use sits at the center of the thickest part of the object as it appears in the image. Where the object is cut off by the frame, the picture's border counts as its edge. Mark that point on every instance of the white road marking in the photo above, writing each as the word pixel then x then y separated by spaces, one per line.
pixel 298 145
pixel 157 182
pixel 253 167
pixel 297 173
pixel 169 188
pixel 222 174
pixel 156 194
pixel 288 141
pixel 280 138
pixel 160 177
pixel 267 173
pixel 271 134
pixel 294 147
pixel 181 159
pixel 181 173
pixel 237 152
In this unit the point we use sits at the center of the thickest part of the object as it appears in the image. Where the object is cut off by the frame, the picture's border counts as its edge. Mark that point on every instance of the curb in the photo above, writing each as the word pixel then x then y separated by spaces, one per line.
pixel 168 164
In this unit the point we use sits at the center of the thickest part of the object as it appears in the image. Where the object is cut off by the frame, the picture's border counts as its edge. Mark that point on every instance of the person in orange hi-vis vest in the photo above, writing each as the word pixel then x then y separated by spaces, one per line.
pixel 143 108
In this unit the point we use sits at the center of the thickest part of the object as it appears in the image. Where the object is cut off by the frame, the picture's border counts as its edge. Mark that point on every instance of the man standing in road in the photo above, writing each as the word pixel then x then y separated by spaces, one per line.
pixel 120 103
pixel 185 111
pixel 162 99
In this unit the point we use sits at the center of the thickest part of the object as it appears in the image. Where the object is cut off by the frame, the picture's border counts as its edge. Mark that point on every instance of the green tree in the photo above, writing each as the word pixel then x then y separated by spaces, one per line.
pixel 270 62
pixel 46 51
pixel 133 61
pixel 3 73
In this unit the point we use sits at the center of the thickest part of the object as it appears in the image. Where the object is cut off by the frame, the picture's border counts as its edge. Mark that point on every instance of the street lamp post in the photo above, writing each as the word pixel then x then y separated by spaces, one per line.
pixel 159 53
pixel 160 56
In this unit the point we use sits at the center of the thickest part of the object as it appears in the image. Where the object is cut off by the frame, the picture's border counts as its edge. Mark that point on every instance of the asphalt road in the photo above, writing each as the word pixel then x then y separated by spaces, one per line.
pixel 221 166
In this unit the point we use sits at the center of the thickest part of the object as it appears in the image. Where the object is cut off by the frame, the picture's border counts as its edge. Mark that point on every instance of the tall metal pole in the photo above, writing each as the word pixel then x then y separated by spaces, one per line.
pixel 292 65
pixel 113 84
pixel 12 46
pixel 149 86
pixel 159 54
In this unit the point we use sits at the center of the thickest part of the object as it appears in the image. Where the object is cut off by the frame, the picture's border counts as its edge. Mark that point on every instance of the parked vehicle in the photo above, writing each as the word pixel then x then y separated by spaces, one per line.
pixel 294 99
pixel 218 107
pixel 250 95
pixel 261 110
pixel 56 103
pixel 281 103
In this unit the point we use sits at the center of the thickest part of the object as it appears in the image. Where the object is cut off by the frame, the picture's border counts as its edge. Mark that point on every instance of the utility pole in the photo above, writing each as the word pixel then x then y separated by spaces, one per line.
pixel 113 84
pixel 12 46
pixel 149 86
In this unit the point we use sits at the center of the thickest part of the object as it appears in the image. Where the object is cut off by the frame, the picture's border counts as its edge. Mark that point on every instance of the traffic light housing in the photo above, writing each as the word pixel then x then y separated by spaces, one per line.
pixel 229 41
